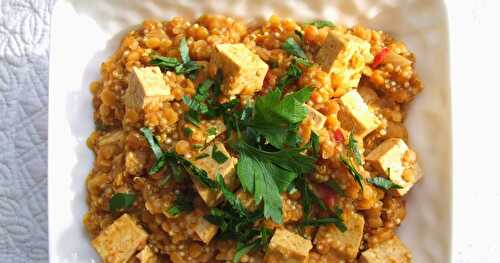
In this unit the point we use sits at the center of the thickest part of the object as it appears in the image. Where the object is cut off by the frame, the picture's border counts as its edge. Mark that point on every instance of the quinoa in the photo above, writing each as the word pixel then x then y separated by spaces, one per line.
pixel 123 157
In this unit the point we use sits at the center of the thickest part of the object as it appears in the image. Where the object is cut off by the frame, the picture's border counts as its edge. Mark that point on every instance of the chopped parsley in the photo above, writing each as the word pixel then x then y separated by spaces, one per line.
pixel 218 156
pixel 383 183
pixel 336 219
pixel 121 201
pixel 321 23
pixel 183 203
pixel 292 74
pixel 277 118
pixel 292 47
pixel 212 131
pixel 202 156
pixel 352 170
pixel 197 104
pixel 176 163
pixel 353 147
pixel 188 132
pixel 308 197
pixel 187 67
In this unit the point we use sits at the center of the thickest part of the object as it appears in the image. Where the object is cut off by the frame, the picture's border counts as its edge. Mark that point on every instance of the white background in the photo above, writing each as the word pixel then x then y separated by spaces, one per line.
pixel 475 45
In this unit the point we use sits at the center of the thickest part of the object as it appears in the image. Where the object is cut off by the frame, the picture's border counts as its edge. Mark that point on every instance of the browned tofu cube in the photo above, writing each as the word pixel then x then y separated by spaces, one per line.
pixel 356 116
pixel 390 251
pixel 146 85
pixel 205 230
pixel 287 247
pixel 212 167
pixel 344 56
pixel 391 159
pixel 119 241
pixel 242 69
pixel 147 255
pixel 315 118
pixel 343 243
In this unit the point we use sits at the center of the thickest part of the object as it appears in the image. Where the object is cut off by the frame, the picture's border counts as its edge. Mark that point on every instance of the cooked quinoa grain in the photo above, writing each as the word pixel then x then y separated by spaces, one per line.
pixel 161 89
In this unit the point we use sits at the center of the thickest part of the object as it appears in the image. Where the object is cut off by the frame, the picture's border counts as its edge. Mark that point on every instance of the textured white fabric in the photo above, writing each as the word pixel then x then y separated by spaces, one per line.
pixel 24 42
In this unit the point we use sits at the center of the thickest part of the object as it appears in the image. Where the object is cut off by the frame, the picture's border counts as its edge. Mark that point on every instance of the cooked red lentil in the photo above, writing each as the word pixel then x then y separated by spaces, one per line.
pixel 278 142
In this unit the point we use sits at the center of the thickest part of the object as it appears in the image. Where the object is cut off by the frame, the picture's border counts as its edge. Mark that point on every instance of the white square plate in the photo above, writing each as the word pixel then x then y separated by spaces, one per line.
pixel 84 33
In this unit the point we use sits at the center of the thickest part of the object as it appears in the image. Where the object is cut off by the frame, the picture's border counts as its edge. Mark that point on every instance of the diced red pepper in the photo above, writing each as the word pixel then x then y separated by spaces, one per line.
pixel 326 194
pixel 338 136
pixel 380 57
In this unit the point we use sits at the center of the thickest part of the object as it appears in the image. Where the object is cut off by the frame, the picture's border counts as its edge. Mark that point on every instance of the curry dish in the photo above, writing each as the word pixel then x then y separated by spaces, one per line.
pixel 278 141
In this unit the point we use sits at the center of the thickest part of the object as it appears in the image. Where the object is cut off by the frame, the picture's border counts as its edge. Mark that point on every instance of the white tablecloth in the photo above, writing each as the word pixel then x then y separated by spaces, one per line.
pixel 24 42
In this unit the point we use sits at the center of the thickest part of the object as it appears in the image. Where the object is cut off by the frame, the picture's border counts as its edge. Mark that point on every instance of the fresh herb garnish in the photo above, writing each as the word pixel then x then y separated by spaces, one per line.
pixel 231 197
pixel 336 187
pixel 352 170
pixel 183 203
pixel 321 23
pixel 292 47
pixel 260 241
pixel 121 201
pixel 188 132
pixel 336 219
pixel 383 183
pixel 314 142
pixel 218 156
pixel 197 104
pixel 353 147
pixel 175 162
pixel 187 67
pixel 153 144
pixel 307 196
pixel 277 118
pixel 165 180
pixel 266 174
pixel 292 74
pixel 212 131
pixel 197 146
pixel 202 156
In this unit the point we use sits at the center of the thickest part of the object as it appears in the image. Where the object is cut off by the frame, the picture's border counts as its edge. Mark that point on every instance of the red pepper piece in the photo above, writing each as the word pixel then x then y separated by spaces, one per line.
pixel 338 136
pixel 380 57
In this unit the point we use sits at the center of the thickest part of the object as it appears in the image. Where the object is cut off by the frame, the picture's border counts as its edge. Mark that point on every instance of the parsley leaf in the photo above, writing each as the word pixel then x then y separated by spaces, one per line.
pixel 202 156
pixel 218 156
pixel 307 196
pixel 352 170
pixel 231 197
pixel 121 201
pixel 266 174
pixel 153 144
pixel 353 147
pixel 187 67
pixel 276 118
pixel 321 23
pixel 188 132
pixel 183 203
pixel 261 241
pixel 184 51
pixel 383 183
pixel 292 74
pixel 292 47
pixel 197 104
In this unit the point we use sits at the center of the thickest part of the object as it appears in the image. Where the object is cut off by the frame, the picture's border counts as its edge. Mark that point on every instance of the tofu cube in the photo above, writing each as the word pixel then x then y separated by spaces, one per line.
pixel 145 86
pixel 212 167
pixel 356 116
pixel 287 247
pixel 243 70
pixel 119 241
pixel 315 118
pixel 205 230
pixel 343 243
pixel 344 56
pixel 389 159
pixel 147 255
pixel 389 251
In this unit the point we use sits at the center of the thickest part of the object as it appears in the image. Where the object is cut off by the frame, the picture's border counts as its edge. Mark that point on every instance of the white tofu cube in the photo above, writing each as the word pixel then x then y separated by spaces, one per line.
pixel 356 116
pixel 344 56
pixel 243 70
pixel 212 167
pixel 205 230
pixel 146 85
pixel 315 118
pixel 287 247
pixel 389 159
pixel 119 241
pixel 389 251
pixel 343 243
pixel 147 255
